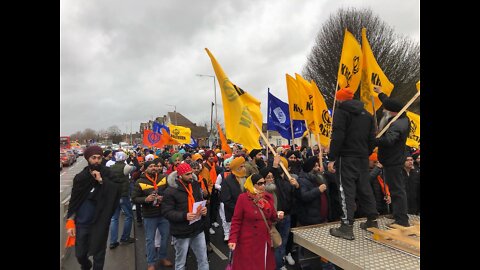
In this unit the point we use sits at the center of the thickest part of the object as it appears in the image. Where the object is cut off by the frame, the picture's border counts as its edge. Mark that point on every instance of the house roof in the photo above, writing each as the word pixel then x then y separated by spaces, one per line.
pixel 178 119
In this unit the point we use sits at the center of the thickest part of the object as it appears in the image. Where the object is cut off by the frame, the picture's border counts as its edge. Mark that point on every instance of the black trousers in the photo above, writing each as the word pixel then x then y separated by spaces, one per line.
pixel 395 181
pixel 82 241
pixel 214 205
pixel 353 178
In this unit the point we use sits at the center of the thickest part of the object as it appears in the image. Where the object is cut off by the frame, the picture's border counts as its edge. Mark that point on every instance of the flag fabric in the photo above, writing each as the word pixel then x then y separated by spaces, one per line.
pixel 193 143
pixel 418 86
pixel 180 134
pixel 156 127
pixel 305 90
pixel 223 140
pixel 413 139
pixel 372 75
pixel 323 118
pixel 296 99
pixel 240 110
pixel 350 67
pixel 166 139
pixel 151 138
pixel 279 119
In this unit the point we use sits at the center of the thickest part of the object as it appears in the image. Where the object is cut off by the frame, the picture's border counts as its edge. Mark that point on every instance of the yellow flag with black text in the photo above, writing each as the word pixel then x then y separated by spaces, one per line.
pixel 350 67
pixel 322 117
pixel 180 134
pixel 240 110
pixel 296 99
pixel 413 139
pixel 306 93
pixel 372 75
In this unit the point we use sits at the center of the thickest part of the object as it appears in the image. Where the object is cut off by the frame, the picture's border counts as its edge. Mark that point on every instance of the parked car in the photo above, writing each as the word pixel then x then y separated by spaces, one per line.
pixel 65 158
pixel 72 154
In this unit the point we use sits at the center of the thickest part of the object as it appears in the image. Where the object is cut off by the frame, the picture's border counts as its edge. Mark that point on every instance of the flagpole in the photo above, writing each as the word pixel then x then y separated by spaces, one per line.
pixel 271 149
pixel 320 155
pixel 398 114
pixel 291 128
pixel 374 113
pixel 267 149
pixel 334 99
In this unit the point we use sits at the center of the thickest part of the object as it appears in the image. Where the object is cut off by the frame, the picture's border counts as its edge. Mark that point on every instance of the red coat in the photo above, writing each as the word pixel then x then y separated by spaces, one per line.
pixel 250 233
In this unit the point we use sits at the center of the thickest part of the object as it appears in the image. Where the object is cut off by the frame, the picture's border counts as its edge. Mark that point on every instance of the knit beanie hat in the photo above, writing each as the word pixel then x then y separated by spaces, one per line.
pixel 344 94
pixel 92 150
pixel 183 168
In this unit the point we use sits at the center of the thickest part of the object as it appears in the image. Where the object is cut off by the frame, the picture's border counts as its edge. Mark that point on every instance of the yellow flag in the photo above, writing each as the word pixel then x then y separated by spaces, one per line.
pixel 413 139
pixel 350 67
pixel 306 93
pixel 322 116
pixel 296 102
pixel 418 86
pixel 180 134
pixel 372 75
pixel 240 110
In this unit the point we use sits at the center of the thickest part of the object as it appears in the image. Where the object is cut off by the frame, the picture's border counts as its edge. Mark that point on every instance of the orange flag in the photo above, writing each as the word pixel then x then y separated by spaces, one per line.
pixel 151 138
pixel 223 139
pixel 166 139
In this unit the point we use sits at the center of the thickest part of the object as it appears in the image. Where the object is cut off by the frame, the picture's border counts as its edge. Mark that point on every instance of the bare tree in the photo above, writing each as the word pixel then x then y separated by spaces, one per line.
pixel 114 134
pixel 397 55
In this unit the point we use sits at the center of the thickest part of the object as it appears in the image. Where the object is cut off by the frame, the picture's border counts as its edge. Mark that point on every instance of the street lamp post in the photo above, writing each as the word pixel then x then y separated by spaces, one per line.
pixel 215 97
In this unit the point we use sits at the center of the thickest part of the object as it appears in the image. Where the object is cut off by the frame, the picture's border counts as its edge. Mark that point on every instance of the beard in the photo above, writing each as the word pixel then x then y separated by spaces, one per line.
pixel 271 187
pixel 95 167
pixel 260 163
pixel 384 120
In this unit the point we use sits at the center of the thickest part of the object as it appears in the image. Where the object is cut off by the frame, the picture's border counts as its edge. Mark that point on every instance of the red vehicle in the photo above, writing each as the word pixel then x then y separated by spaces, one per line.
pixel 65 142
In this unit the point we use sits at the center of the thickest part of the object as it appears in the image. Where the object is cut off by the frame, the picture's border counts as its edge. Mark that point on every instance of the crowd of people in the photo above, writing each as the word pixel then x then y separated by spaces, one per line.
pixel 185 193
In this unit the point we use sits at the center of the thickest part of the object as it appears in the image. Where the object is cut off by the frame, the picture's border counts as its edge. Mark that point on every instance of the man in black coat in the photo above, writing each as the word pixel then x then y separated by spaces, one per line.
pixel 353 139
pixel 391 153
pixel 93 200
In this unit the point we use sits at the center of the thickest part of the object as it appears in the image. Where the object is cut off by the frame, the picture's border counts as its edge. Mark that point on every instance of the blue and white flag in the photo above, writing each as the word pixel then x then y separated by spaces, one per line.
pixel 279 119
pixel 157 128
pixel 193 143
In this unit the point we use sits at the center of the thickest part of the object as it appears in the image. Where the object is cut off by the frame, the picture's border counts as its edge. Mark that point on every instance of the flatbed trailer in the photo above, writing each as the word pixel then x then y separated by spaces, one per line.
pixel 361 253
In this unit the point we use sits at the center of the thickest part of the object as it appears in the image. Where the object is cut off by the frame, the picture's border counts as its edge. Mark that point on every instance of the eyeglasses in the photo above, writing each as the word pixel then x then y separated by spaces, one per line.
pixel 261 183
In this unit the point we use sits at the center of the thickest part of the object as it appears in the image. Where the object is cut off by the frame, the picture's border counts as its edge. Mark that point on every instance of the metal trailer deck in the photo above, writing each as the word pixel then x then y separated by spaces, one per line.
pixel 361 253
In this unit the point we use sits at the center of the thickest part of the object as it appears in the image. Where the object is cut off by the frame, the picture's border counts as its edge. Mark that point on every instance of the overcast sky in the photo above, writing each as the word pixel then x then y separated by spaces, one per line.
pixel 122 61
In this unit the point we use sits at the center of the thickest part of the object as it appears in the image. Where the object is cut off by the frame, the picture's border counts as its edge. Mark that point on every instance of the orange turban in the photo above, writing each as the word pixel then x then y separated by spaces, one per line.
pixel 344 94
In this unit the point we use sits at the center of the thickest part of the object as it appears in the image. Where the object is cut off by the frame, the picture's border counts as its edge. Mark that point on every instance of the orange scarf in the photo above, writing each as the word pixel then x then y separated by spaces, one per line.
pixel 202 184
pixel 191 199
pixel 213 172
pixel 70 239
pixel 154 181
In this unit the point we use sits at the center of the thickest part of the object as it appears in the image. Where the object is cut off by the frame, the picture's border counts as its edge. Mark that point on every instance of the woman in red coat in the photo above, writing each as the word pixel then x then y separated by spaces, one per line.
pixel 249 235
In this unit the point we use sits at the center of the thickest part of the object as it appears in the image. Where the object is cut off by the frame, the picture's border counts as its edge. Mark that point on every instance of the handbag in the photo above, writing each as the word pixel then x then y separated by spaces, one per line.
pixel 274 234
pixel 230 257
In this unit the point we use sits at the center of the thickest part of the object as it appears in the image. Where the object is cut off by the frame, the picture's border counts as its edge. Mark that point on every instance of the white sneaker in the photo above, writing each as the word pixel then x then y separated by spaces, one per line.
pixel 215 224
pixel 134 207
pixel 289 259
pixel 211 231
pixel 226 237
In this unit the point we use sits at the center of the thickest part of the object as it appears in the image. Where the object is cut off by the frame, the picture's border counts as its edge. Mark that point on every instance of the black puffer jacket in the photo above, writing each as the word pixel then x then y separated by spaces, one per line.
pixel 353 131
pixel 144 187
pixel 309 201
pixel 175 209
pixel 391 145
